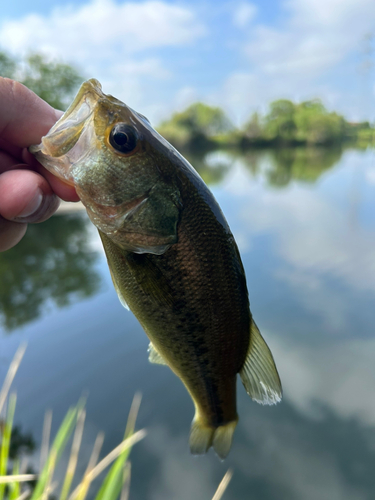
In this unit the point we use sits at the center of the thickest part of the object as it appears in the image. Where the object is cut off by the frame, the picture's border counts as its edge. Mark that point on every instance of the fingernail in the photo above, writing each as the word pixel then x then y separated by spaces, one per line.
pixel 32 207
pixel 39 208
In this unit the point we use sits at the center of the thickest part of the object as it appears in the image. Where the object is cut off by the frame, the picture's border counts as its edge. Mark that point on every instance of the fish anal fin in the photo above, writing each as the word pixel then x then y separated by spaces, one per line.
pixel 203 436
pixel 154 356
pixel 259 373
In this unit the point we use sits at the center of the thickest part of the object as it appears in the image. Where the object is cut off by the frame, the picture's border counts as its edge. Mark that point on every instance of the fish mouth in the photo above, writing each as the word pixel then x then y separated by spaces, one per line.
pixel 71 136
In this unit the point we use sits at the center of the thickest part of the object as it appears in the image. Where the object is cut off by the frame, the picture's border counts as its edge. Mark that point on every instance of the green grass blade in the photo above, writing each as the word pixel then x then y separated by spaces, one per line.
pixel 57 448
pixel 81 490
pixel 114 480
pixel 72 464
pixel 11 374
pixel 14 488
pixel 5 441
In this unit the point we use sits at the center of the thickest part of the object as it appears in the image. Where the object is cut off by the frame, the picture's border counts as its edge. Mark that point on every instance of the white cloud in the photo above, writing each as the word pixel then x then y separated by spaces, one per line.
pixel 243 14
pixel 184 97
pixel 299 57
pixel 101 29
pixel 306 52
pixel 128 82
pixel 110 41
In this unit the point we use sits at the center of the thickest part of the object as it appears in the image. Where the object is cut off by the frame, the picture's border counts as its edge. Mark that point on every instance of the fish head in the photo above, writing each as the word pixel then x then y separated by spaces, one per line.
pixel 113 157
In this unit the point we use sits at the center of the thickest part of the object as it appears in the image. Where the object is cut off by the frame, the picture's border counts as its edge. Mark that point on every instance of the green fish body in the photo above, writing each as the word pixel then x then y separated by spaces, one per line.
pixel 172 257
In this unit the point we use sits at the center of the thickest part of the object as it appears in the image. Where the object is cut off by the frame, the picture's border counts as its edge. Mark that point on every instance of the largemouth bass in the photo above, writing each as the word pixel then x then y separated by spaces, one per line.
pixel 172 257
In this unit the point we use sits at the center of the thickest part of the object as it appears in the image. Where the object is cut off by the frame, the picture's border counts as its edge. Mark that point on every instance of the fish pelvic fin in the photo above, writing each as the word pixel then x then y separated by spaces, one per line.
pixel 259 373
pixel 203 436
pixel 154 357
pixel 118 291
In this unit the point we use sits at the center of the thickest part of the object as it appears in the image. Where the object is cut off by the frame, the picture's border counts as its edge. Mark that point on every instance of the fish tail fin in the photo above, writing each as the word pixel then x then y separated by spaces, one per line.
pixel 203 436
pixel 223 437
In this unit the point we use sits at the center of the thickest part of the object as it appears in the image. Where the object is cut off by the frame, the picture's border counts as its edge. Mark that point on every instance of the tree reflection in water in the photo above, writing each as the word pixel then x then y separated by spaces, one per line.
pixel 304 164
pixel 54 261
pixel 211 172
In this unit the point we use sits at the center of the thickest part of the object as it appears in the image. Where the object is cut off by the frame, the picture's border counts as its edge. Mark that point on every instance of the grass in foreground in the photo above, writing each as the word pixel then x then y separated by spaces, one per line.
pixel 14 485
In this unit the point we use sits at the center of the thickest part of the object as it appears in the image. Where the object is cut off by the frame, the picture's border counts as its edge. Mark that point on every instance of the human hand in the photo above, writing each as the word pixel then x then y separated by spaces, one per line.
pixel 28 192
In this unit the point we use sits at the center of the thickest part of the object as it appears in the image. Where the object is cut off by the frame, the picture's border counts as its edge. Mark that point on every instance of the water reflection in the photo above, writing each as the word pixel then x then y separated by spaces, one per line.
pixel 302 164
pixel 305 164
pixel 212 165
pixel 284 456
pixel 315 253
pixel 309 255
pixel 22 443
pixel 54 261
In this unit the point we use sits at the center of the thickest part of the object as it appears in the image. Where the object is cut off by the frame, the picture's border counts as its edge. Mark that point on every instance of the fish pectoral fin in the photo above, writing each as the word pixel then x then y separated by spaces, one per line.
pixel 259 373
pixel 154 356
pixel 145 272
pixel 151 225
pixel 118 291
pixel 151 279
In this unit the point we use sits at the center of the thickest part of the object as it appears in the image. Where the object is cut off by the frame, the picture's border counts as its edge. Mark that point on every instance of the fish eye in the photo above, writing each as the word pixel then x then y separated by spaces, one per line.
pixel 123 138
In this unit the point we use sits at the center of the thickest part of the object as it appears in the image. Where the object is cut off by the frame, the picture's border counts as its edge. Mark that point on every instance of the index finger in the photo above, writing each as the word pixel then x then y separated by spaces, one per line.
pixel 24 116
pixel 24 119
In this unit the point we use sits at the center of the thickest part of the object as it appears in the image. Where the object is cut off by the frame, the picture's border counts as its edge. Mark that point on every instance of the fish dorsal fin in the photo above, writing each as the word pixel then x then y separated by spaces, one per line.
pixel 259 374
pixel 119 294
pixel 154 356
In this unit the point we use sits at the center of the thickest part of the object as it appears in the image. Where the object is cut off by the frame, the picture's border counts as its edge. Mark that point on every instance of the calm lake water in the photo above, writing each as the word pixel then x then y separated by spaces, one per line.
pixel 305 224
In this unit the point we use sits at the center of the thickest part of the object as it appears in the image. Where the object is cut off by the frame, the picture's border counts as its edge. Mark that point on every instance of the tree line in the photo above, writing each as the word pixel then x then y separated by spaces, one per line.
pixel 285 124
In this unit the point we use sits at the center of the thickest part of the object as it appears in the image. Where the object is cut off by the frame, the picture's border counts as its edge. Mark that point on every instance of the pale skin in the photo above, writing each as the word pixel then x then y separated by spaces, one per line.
pixel 28 192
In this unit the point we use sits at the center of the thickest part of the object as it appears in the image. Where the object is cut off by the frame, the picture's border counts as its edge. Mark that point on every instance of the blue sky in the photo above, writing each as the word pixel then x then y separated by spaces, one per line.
pixel 159 56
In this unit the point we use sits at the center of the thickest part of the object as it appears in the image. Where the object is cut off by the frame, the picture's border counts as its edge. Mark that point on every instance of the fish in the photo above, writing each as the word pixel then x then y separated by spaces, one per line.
pixel 172 257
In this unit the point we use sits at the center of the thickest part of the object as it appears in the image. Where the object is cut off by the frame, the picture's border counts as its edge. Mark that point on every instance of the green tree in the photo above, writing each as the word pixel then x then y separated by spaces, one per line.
pixel 55 82
pixel 7 66
pixel 202 119
pixel 315 125
pixel 308 123
pixel 280 121
pixel 196 125
pixel 253 128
